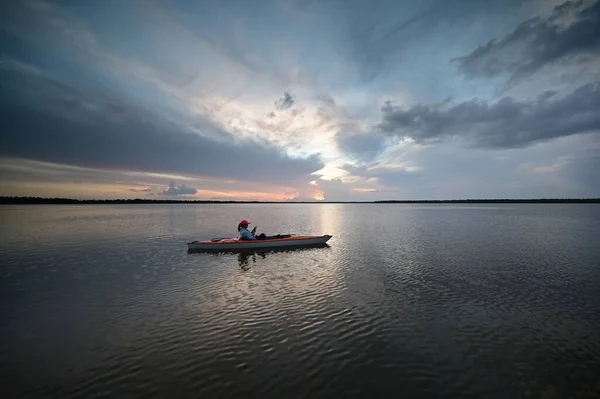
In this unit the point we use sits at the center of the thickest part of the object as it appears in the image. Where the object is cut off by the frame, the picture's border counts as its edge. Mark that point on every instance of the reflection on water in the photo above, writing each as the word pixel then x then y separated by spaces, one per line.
pixel 245 255
pixel 405 300
pixel 243 259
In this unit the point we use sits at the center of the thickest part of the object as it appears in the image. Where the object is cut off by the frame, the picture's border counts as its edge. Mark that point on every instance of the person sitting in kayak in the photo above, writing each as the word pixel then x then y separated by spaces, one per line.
pixel 244 233
pixel 249 235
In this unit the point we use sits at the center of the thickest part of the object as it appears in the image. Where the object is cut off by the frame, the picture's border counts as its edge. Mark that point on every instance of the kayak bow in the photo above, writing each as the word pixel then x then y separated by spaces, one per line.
pixel 235 243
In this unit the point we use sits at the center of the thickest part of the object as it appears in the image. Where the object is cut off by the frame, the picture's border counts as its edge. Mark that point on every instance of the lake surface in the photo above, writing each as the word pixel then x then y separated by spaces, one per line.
pixel 417 301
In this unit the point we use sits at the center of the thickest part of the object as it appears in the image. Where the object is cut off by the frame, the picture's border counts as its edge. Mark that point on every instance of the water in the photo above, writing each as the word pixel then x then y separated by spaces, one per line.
pixel 417 301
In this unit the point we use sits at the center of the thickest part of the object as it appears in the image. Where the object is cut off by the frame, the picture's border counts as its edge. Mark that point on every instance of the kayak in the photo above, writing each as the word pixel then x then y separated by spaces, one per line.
pixel 289 240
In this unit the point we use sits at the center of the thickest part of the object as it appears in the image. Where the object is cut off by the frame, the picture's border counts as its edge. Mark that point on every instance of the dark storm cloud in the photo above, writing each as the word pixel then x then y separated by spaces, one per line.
pixel 48 121
pixel 505 124
pixel 538 42
pixel 284 102
pixel 179 190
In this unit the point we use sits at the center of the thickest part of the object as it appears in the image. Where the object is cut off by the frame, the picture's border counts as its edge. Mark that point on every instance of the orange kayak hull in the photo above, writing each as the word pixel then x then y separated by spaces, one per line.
pixel 236 243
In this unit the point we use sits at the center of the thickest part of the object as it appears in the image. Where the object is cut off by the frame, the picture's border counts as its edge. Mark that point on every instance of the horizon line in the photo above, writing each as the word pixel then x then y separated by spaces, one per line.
pixel 13 200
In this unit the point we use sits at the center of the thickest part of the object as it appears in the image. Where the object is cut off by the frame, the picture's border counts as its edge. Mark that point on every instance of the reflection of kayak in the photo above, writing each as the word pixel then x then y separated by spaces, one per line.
pixel 289 240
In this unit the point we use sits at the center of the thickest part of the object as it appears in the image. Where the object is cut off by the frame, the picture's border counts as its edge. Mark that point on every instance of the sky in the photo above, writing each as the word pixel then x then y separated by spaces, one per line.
pixel 300 100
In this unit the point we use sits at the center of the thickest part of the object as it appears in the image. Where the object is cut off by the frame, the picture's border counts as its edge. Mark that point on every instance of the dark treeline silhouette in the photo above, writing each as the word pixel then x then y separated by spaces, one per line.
pixel 497 201
pixel 39 200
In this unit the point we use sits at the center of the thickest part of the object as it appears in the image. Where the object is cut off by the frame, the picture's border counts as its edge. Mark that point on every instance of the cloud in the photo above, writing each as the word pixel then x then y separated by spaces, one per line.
pixel 203 99
pixel 571 30
pixel 397 175
pixel 387 38
pixel 566 167
pixel 508 123
pixel 326 109
pixel 284 102
pixel 179 190
pixel 141 190
pixel 364 146
pixel 327 100
pixel 54 122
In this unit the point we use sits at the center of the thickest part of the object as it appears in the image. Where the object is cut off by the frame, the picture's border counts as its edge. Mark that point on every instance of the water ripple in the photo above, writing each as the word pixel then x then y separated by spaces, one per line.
pixel 424 302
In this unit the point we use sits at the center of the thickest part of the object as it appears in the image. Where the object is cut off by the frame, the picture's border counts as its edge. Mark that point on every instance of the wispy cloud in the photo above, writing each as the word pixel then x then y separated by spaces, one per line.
pixel 12 64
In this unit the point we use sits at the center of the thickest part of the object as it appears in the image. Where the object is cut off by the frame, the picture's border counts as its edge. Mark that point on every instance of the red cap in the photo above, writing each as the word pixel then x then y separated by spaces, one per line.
pixel 244 222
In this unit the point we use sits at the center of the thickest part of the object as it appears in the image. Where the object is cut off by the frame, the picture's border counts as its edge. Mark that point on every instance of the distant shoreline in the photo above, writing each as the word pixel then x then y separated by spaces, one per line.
pixel 67 201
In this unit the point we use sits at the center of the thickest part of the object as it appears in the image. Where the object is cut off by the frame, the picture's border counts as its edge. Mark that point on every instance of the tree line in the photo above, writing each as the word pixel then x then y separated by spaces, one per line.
pixel 39 200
